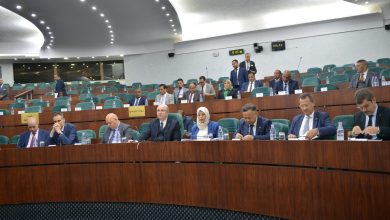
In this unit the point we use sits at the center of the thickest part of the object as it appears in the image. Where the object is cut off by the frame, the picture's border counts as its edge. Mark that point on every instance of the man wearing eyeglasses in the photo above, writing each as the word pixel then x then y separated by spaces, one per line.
pixel 373 121
pixel 34 137
pixel 162 128
pixel 62 133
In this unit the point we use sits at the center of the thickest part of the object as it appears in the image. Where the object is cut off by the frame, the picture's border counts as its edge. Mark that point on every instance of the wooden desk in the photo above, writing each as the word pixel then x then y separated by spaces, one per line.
pixel 290 179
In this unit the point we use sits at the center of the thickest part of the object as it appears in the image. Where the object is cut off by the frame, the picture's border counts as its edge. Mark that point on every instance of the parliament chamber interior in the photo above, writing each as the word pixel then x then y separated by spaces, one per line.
pixel 245 92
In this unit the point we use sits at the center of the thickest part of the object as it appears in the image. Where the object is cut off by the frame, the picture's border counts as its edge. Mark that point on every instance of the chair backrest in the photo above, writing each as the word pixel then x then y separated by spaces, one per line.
pixel 135 134
pixel 178 118
pixel 371 64
pixel 222 79
pixel 302 77
pixel 229 123
pixel 314 70
pixel 108 104
pixel 264 90
pixel 340 78
pixel 4 139
pixel 89 133
pixel 385 61
pixel 323 75
pixel 57 108
pixel 62 98
pixel 143 127
pixel 111 89
pixel 279 127
pixel 85 96
pixel 385 73
pixel 192 80
pixel 311 81
pixel 42 104
pixel 136 85
pixel 17 105
pixel 328 67
pixel 152 95
pixel 346 119
pixel 15 139
pixel 73 92
pixel 102 129
pixel 329 86
pixel 85 105
pixel 338 69
pixel 281 121
pixel 350 73
pixel 33 109
pixel 376 70
pixel 61 102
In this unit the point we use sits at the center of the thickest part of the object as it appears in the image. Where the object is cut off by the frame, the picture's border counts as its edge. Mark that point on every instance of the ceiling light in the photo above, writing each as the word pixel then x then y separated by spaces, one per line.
pixel 163 7
pixel 157 0
pixel 19 7
pixel 42 22
pixel 93 57
pixel 66 58
pixel 109 26
pixel 33 15
pixel 366 3
pixel 51 37
pixel 112 35
pixel 48 28
pixel 82 0
pixel 167 14
pixel 48 47
pixel 94 8
pixel 175 33
pixel 78 58
pixel 174 29
pixel 50 44
pixel 107 56
pixel 50 32
pixel 107 21
pixel 52 41
pixel 121 55
pixel 111 31
pixel 15 58
pixel 170 20
pixel 101 15
pixel 172 25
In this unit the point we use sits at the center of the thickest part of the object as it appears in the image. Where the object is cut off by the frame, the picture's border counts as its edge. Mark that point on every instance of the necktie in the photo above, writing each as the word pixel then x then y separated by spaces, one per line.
pixel 136 102
pixel 237 76
pixel 306 125
pixel 190 98
pixel 32 140
pixel 112 136
pixel 369 121
pixel 250 88
pixel 178 93
pixel 202 89
pixel 361 77
pixel 161 126
pixel 251 130
pixel 285 87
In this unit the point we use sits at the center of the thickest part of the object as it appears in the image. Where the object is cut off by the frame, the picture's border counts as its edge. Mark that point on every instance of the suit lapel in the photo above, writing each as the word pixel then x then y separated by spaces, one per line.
pixel 315 119
pixel 299 124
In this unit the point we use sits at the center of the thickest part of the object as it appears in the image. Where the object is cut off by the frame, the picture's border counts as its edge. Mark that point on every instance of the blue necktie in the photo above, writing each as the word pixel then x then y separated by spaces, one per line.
pixel 251 130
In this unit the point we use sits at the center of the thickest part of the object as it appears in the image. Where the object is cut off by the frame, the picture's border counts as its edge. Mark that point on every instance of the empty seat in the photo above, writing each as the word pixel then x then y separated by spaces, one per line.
pixel 231 124
pixel 88 132
pixel 347 121
pixel 85 105
pixel 279 127
pixel 311 81
pixel 32 109
pixel 109 104
pixel 386 73
pixel 338 70
pixel 328 67
pixel 376 70
pixel 314 70
pixel 143 127
pixel 4 139
pixel 281 121
pixel 264 90
pixel 102 129
pixel 341 78
pixel 305 76
pixel 178 118
pixel 4 111
pixel 15 139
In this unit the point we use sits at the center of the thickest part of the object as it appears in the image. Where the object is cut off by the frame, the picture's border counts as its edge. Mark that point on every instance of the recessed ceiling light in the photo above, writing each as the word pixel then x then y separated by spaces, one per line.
pixel 175 33
pixel 52 41
pixel 42 22
pixel 66 58
pixel 163 7
pixel 19 7
pixel 174 29
pixel 109 26
pixel 15 58
pixel 94 8
pixel 107 56
pixel 167 14
pixel 82 0
pixel 111 31
pixel 170 20
pixel 33 15
pixel 366 3
pixel 50 44
pixel 111 42
pixel 49 32
pixel 107 21
pixel 48 47
pixel 102 15
pixel 48 28
pixel 112 35
pixel 157 0
pixel 51 37
pixel 121 55
pixel 172 25
pixel 93 57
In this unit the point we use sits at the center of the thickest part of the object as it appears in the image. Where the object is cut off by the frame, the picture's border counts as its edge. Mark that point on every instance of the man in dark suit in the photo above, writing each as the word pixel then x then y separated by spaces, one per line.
pixel 373 121
pixel 277 78
pixel 3 91
pixel 311 124
pixel 252 83
pixel 115 130
pixel 238 75
pixel 192 95
pixel 286 84
pixel 187 121
pixel 138 100
pixel 60 86
pixel 162 128
pixel 62 133
pixel 34 136
pixel 248 64
pixel 362 78
pixel 180 90
pixel 252 126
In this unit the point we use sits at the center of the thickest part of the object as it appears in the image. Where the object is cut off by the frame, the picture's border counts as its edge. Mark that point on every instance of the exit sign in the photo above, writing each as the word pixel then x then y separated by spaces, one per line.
pixel 236 52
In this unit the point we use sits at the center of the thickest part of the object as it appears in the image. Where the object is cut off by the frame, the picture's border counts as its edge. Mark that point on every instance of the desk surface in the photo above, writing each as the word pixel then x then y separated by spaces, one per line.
pixel 291 179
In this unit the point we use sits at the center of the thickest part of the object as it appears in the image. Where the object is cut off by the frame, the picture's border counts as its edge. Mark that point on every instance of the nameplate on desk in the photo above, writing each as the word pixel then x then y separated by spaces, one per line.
pixel 1 113
pixel 324 89
pixel 184 101
pixel 64 109
pixel 156 103
pixel 126 105
pixel 228 98
pixel 25 116
pixel 137 111
pixel 20 112
pixel 282 93
pixel 99 107
pixel 260 94
pixel 77 109
pixel 298 91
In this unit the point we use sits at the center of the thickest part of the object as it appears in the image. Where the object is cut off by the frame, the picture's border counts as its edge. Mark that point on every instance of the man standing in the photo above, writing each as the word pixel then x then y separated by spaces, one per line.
pixel 311 124
pixel 34 136
pixel 252 126
pixel 373 121
pixel 3 91
pixel 248 64
pixel 115 130
pixel 162 128
pixel 193 95
pixel 286 84
pixel 62 133
pixel 238 75
pixel 362 78
pixel 164 97
pixel 180 90
pixel 138 100
pixel 205 88
pixel 252 83
pixel 277 78
pixel 60 86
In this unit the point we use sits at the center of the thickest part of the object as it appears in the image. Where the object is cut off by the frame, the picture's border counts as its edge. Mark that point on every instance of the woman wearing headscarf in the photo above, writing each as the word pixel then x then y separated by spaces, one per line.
pixel 204 126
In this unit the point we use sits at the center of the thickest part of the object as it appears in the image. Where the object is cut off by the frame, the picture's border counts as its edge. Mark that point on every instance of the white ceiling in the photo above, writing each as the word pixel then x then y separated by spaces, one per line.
pixel 141 26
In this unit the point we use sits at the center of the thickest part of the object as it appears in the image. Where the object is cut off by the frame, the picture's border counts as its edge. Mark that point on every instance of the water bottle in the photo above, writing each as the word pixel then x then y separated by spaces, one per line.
pixel 238 94
pixel 40 99
pixel 271 92
pixel 12 111
pixel 272 133
pixel 374 81
pixel 70 97
pixel 92 103
pixel 102 89
pixel 340 132
pixel 113 103
pixel 383 81
pixel 83 138
pixel 327 80
pixel 69 107
pixel 25 105
pixel 125 89
pixel 220 133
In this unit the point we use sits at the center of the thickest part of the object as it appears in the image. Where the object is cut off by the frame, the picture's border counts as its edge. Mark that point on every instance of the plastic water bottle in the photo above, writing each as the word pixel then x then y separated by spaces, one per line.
pixel 220 133
pixel 25 104
pixel 383 81
pixel 83 138
pixel 125 89
pixel 113 103
pixel 271 92
pixel 327 80
pixel 340 131
pixel 238 94
pixel 40 99
pixel 12 111
pixel 102 89
pixel 272 133
pixel 92 103
pixel 70 98
pixel 375 81
pixel 69 107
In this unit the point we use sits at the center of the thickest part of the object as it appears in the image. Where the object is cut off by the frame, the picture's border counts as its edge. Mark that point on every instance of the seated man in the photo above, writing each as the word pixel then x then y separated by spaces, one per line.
pixel 115 130
pixel 252 126
pixel 311 124
pixel 62 133
pixel 252 83
pixel 192 95
pixel 187 121
pixel 205 88
pixel 275 80
pixel 164 97
pixel 373 121
pixel 34 136
pixel 3 91
pixel 286 84
pixel 162 128
pixel 362 78
pixel 138 99
pixel 180 90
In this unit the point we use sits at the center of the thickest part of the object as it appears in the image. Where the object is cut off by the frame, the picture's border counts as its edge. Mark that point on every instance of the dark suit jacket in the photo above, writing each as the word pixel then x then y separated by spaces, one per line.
pixel 60 87
pixel 3 92
pixel 42 136
pixel 212 129
pixel 321 121
pixel 262 128
pixel 355 80
pixel 171 131
pixel 252 65
pixel 273 83
pixel 245 85
pixel 232 93
pixel 188 123
pixel 242 77
pixel 124 131
pixel 142 101
pixel 382 121
pixel 292 86
pixel 68 136
pixel 196 96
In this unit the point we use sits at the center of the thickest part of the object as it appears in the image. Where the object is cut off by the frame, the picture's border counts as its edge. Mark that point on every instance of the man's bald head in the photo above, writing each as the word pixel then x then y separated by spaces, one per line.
pixel 112 120
pixel 286 76
pixel 32 124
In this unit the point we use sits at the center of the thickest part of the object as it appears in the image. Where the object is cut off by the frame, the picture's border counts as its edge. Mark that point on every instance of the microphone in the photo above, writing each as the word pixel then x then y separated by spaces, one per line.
pixel 299 63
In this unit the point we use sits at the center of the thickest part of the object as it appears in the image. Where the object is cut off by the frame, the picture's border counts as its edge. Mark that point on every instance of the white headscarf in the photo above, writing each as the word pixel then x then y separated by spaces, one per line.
pixel 206 112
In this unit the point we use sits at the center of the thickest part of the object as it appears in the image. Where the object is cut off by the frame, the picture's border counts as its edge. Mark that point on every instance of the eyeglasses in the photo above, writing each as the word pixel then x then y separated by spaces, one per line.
pixel 161 110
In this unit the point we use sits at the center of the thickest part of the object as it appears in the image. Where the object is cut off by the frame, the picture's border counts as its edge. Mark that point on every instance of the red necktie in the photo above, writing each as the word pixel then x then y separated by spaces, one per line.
pixel 32 140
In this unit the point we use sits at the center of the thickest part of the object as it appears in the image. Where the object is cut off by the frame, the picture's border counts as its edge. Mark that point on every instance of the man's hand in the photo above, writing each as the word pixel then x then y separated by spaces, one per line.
pixel 292 136
pixel 239 136
pixel 371 130
pixel 312 133
pixel 57 128
pixel 356 130
pixel 248 138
